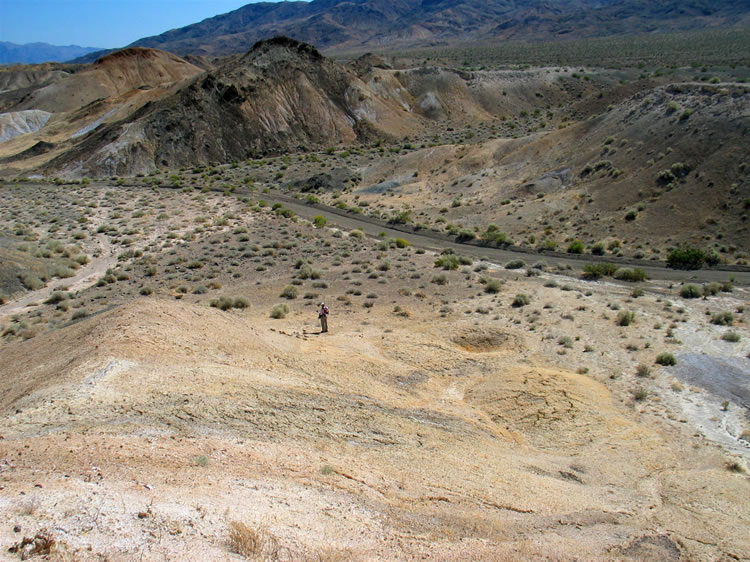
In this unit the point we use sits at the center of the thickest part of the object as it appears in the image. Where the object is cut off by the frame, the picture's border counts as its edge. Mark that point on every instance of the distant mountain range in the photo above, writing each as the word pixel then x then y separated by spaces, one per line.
pixel 31 53
pixel 354 24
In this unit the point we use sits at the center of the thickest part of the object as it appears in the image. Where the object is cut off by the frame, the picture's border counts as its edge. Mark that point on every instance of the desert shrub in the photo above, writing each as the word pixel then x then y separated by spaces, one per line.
pixel 289 292
pixel 598 249
pixel 548 244
pixel 637 292
pixel 227 303
pixel 146 291
pixel 691 291
pixel 492 286
pixel 711 289
pixel 493 236
pixel 597 270
pixel 631 215
pixel 712 258
pixel 356 233
pixel 631 275
pixel 320 221
pixel 57 297
pixel 575 247
pixel 402 217
pixel 625 318
pixel 685 258
pixel 447 261
pixel 520 300
pixel 279 311
pixel 515 264
pixel 732 337
pixel 665 359
pixel 723 319
pixel 31 281
pixel 440 280
pixel 401 243
pixel 79 314
pixel 222 303
pixel 643 371
pixel 565 341
pixel 307 272
pixel 465 235
pixel 640 394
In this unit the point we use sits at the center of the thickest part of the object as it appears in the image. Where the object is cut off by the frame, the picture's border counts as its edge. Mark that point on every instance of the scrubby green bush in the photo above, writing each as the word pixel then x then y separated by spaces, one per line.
pixel 723 319
pixel 732 337
pixel 631 275
pixel 711 289
pixel 598 270
pixel 320 221
pixel 227 303
pixel 279 311
pixel 465 235
pixel 447 261
pixel 625 318
pixel 491 286
pixel 289 292
pixel 575 247
pixel 691 292
pixel 57 297
pixel 520 300
pixel 665 359
pixel 685 258
pixel 493 236
pixel 31 281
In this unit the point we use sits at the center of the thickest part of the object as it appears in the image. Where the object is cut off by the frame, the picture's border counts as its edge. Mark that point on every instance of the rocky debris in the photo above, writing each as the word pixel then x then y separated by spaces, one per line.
pixel 40 544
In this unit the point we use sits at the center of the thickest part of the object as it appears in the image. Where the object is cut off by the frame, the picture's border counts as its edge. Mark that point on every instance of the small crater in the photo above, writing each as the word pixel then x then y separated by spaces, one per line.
pixel 484 340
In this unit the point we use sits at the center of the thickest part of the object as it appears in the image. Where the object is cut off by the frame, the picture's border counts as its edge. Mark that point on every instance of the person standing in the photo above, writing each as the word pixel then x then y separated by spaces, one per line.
pixel 323 315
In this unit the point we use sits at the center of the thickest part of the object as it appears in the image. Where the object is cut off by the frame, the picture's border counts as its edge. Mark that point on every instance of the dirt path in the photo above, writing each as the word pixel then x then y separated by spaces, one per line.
pixel 84 278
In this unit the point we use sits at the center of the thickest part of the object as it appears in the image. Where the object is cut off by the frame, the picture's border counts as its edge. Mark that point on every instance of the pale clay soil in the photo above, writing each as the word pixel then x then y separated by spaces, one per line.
pixel 143 432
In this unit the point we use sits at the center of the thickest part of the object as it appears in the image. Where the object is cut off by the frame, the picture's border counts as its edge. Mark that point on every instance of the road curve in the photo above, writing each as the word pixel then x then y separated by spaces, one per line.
pixel 432 240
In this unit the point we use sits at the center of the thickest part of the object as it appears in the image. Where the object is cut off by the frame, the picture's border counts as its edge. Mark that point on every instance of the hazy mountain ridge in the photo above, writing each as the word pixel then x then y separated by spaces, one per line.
pixel 31 53
pixel 332 24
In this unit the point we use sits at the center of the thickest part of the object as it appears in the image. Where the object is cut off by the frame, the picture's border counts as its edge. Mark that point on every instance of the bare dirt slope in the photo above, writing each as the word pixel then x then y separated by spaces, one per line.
pixel 147 429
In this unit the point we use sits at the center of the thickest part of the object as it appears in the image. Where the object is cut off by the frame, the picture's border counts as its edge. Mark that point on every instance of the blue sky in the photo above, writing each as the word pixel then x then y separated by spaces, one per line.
pixel 101 23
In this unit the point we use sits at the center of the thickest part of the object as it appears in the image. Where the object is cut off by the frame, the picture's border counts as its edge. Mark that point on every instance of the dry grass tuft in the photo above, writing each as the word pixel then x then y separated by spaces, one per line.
pixel 257 544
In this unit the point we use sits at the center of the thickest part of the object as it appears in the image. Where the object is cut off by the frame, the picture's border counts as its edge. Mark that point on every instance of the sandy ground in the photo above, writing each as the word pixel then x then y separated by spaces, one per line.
pixel 143 432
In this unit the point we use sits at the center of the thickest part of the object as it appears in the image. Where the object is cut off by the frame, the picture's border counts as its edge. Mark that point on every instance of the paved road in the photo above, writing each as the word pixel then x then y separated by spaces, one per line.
pixel 436 241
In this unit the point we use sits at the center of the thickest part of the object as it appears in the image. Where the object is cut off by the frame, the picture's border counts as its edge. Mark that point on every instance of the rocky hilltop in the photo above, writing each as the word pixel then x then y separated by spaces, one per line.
pixel 281 95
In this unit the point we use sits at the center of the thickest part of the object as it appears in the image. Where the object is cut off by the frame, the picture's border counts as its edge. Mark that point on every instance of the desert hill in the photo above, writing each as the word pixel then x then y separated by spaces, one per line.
pixel 60 109
pixel 331 24
pixel 281 96
pixel 109 77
